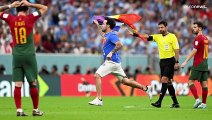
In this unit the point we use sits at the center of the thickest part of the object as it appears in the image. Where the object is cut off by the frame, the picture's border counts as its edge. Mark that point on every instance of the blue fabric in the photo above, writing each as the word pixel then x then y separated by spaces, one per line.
pixel 109 45
pixel 116 28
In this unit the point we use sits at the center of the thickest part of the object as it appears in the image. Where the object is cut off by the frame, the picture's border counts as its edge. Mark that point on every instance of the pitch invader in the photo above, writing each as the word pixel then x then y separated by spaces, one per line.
pixel 112 61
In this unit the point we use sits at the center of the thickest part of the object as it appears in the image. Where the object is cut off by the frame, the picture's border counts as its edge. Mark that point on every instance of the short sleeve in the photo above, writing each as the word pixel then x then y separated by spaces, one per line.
pixel 175 44
pixel 155 37
pixel 114 38
pixel 197 42
pixel 6 17
pixel 34 16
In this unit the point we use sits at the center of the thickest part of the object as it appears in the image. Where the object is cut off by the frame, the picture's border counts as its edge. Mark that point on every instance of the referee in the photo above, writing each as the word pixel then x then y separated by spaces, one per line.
pixel 168 48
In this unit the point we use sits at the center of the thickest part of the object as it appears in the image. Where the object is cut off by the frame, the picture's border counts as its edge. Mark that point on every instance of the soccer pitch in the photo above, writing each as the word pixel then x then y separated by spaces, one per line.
pixel 114 108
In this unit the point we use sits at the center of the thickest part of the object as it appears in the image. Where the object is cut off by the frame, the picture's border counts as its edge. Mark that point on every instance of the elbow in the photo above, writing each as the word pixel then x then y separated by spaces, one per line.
pixel 121 45
pixel 44 9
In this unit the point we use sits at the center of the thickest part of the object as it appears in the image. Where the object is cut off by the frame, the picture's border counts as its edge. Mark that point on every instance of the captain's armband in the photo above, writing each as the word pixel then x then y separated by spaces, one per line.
pixel 150 38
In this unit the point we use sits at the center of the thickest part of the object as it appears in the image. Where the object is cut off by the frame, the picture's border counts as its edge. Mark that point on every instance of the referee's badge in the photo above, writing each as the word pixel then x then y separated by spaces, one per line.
pixel 166 47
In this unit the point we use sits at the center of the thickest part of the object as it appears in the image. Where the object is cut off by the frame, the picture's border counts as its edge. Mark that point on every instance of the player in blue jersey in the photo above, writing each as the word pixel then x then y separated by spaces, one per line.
pixel 112 61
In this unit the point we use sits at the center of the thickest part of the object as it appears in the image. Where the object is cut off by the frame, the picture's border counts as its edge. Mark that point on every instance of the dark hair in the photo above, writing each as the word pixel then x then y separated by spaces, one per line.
pixel 163 22
pixel 22 8
pixel 110 22
pixel 55 67
pixel 199 24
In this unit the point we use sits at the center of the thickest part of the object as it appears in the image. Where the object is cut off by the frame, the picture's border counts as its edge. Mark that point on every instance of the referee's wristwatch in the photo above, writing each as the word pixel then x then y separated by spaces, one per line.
pixel 176 61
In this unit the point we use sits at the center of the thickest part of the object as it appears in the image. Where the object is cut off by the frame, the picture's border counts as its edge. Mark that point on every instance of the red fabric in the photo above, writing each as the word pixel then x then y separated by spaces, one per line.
pixel 35 97
pixel 142 37
pixel 17 97
pixel 200 43
pixel 133 18
pixel 19 22
pixel 136 31
pixel 204 95
pixel 194 92
pixel 71 2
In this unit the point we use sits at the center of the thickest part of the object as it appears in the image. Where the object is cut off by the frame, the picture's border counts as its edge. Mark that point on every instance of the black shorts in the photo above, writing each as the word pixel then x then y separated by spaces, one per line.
pixel 167 67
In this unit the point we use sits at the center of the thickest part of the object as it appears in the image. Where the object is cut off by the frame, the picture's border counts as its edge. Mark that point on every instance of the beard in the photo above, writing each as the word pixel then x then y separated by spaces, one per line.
pixel 104 30
pixel 162 32
pixel 195 32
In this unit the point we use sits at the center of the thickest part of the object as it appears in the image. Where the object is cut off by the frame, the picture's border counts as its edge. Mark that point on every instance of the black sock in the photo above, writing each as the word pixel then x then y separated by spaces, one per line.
pixel 172 93
pixel 163 92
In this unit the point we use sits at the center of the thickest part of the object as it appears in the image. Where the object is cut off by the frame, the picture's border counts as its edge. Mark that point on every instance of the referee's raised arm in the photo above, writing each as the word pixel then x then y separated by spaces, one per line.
pixel 148 37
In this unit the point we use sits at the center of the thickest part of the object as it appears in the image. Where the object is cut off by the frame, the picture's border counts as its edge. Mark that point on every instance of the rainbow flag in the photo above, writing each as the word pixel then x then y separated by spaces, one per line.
pixel 128 19
pixel 100 20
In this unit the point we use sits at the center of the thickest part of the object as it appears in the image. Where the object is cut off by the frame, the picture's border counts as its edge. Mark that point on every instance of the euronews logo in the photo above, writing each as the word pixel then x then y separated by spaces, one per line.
pixel 7 87
pixel 196 6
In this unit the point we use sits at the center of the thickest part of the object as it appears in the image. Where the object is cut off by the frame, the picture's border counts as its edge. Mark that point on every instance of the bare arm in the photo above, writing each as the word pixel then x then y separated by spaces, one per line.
pixel 176 54
pixel 6 7
pixel 148 37
pixel 144 35
pixel 189 57
pixel 42 8
pixel 117 48
pixel 3 8
pixel 99 28
pixel 100 31
pixel 176 66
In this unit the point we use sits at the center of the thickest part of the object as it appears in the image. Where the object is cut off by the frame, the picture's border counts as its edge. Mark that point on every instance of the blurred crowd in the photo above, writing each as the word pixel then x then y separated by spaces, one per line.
pixel 67 27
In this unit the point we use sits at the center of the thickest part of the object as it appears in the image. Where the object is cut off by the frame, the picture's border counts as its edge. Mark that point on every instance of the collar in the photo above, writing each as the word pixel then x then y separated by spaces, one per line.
pixel 165 34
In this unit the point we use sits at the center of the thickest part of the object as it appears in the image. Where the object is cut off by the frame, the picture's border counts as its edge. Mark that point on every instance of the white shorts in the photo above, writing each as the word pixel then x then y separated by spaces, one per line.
pixel 111 67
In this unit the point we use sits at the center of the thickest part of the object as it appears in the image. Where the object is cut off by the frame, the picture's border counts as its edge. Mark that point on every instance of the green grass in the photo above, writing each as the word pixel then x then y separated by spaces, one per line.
pixel 115 108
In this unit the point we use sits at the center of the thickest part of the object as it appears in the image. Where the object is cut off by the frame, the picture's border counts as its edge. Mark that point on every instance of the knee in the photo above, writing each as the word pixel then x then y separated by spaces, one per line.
pixel 33 84
pixel 190 82
pixel 204 85
pixel 124 81
pixel 18 84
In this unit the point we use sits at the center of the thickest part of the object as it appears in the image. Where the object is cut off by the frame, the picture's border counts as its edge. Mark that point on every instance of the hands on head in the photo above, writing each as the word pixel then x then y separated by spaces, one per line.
pixel 20 3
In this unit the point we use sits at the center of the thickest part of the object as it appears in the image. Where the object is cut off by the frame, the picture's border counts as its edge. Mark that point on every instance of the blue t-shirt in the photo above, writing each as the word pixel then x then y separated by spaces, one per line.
pixel 109 45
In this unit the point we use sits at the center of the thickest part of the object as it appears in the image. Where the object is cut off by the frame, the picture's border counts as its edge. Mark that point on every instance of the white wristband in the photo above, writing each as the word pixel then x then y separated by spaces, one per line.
pixel 10 6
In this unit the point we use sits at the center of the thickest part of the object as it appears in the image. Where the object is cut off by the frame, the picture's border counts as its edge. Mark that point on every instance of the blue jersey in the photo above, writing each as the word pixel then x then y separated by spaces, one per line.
pixel 109 45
